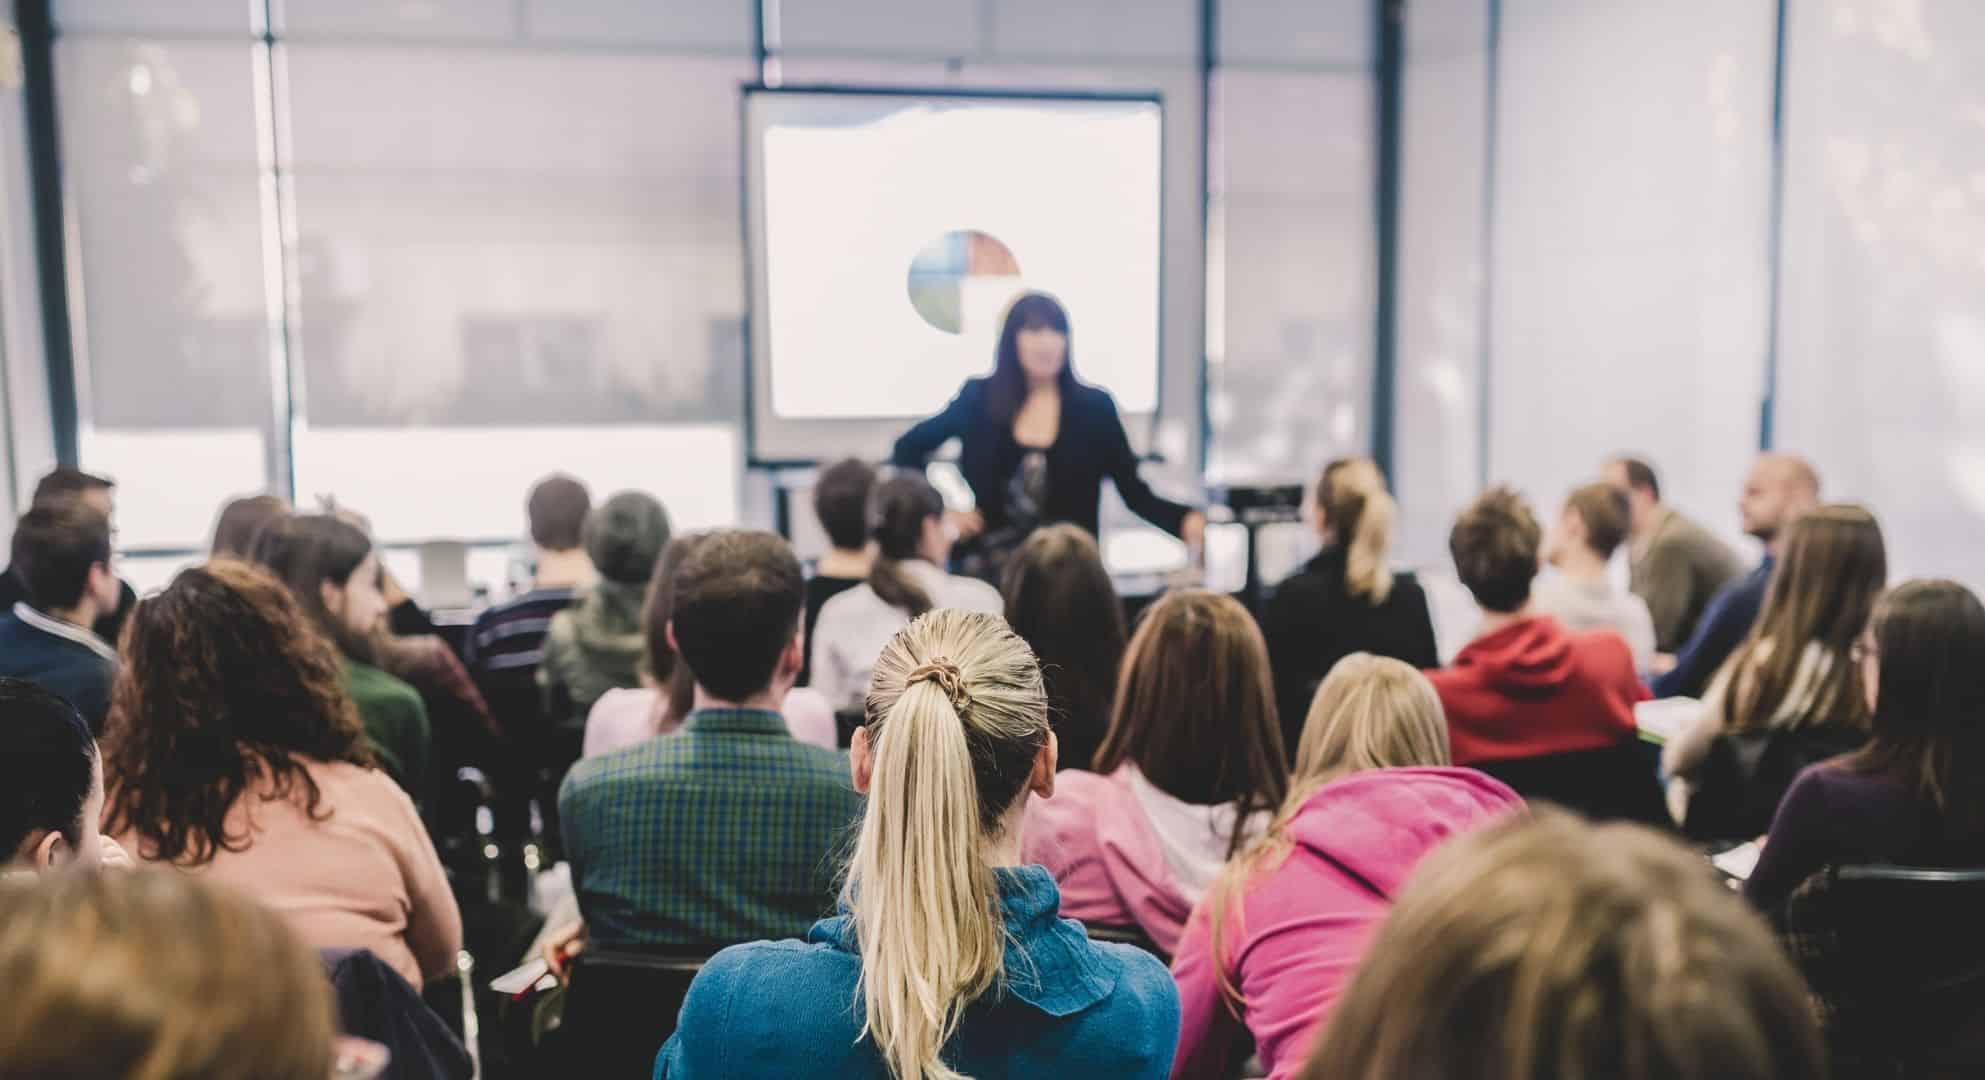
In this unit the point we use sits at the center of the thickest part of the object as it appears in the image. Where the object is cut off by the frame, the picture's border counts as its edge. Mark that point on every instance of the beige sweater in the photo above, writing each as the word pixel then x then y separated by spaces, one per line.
pixel 365 875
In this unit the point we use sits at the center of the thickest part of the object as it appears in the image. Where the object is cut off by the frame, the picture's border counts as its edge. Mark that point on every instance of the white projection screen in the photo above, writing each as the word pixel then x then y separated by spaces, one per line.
pixel 888 230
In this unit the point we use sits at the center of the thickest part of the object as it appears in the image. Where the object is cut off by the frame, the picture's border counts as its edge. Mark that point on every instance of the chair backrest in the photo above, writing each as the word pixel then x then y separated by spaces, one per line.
pixel 621 1006
pixel 1912 949
pixel 1747 773
pixel 1612 783
pixel 845 723
pixel 1127 935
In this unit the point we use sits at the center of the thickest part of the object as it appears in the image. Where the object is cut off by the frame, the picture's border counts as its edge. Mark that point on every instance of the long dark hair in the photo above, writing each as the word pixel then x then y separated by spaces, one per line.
pixel 1929 720
pixel 306 550
pixel 1007 388
pixel 1195 709
pixel 1821 593
pixel 1059 598
pixel 897 510
pixel 223 682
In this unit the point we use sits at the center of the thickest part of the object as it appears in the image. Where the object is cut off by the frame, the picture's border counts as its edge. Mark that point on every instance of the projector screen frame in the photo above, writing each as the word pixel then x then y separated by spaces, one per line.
pixel 1139 426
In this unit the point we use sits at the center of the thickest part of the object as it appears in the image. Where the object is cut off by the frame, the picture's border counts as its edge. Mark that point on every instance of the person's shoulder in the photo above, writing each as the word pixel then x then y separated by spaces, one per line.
pixel 974 595
pixel 781 989
pixel 845 604
pixel 1139 1020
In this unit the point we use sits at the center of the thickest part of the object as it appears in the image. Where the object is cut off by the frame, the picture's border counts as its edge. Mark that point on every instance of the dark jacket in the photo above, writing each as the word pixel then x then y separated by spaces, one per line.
pixel 1312 622
pixel 67 661
pixel 1723 627
pixel 1090 445
pixel 375 1003
pixel 14 591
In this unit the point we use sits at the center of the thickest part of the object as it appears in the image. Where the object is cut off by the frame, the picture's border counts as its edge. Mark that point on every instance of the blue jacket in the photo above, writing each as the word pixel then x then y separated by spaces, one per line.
pixel 1726 621
pixel 1070 1006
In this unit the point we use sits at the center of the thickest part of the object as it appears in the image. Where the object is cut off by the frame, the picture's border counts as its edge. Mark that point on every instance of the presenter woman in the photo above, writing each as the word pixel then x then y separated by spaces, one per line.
pixel 1036 445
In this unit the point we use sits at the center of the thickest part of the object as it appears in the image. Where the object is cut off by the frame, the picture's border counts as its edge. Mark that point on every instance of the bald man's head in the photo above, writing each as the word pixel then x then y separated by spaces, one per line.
pixel 1779 489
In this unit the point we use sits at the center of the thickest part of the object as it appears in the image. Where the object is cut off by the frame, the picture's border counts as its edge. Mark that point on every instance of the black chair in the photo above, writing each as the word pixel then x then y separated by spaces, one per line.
pixel 1612 783
pixel 1127 935
pixel 845 723
pixel 1902 968
pixel 1747 773
pixel 621 1006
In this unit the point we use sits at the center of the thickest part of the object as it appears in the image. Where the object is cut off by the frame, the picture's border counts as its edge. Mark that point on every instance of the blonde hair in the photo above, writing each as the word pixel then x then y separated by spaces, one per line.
pixel 1549 947
pixel 1372 712
pixel 956 716
pixel 154 975
pixel 1359 511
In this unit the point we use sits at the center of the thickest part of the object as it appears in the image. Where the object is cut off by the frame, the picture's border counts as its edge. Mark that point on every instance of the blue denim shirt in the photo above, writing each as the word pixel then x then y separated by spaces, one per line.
pixel 1069 1006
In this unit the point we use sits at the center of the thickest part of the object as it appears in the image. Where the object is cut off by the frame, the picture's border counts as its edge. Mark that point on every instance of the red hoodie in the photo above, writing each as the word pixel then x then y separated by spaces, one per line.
pixel 1533 688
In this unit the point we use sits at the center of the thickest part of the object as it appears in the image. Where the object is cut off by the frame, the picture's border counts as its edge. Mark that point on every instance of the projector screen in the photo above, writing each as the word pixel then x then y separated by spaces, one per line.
pixel 888 231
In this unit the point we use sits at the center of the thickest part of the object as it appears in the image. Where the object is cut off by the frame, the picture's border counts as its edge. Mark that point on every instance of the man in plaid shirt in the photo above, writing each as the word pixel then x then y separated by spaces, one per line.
pixel 728 830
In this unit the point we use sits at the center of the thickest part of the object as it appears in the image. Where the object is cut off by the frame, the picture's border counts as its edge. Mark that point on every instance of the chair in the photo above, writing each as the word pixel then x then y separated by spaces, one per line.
pixel 1747 773
pixel 621 1006
pixel 845 723
pixel 1900 960
pixel 1612 783
pixel 1127 935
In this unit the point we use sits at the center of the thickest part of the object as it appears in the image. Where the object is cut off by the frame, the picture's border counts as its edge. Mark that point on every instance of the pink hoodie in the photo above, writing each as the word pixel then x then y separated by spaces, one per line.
pixel 1300 929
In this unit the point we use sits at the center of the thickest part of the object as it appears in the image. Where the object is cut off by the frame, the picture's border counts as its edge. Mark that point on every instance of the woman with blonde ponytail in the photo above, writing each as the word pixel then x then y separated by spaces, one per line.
pixel 1347 599
pixel 1279 934
pixel 949 959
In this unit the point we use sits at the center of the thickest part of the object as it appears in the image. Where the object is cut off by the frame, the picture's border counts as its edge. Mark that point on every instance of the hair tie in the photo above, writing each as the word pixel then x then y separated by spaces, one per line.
pixel 948 678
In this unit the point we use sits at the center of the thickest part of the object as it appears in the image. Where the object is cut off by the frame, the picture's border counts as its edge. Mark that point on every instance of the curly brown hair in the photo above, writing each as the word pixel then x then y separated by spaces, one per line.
pixel 225 682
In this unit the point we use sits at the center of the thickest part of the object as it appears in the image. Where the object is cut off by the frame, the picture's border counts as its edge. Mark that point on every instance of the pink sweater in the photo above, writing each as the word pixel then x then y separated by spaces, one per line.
pixel 1300 929
pixel 1098 841
pixel 363 876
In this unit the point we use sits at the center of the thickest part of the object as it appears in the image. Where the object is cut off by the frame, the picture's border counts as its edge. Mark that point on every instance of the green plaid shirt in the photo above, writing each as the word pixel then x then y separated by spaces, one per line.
pixel 729 830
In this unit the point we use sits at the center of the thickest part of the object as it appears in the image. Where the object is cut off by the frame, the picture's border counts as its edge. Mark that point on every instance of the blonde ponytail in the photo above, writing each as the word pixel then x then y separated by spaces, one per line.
pixel 956 716
pixel 1355 502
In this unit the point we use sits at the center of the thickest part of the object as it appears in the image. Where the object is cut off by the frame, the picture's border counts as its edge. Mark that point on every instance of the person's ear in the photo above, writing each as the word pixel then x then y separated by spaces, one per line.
pixel 793 657
pixel 861 759
pixel 332 597
pixel 668 631
pixel 49 852
pixel 1042 780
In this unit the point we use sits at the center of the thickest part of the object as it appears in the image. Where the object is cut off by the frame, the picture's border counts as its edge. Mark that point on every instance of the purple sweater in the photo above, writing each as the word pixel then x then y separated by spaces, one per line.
pixel 1832 816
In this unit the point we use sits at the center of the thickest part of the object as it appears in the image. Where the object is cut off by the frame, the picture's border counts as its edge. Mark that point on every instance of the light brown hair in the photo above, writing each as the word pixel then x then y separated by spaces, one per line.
pixel 1371 712
pixel 1359 512
pixel 1494 543
pixel 241 519
pixel 678 685
pixel 1822 593
pixel 1546 947
pixel 1604 510
pixel 1060 599
pixel 1195 709
pixel 154 975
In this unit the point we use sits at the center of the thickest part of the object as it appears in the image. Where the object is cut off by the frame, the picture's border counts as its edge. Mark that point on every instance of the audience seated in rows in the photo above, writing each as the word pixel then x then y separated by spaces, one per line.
pixel 61 552
pixel 1675 565
pixel 667 694
pixel 596 644
pixel 1189 774
pixel 1274 942
pixel 840 502
pixel 1526 687
pixel 234 753
pixel 906 521
pixel 152 975
pixel 1060 600
pixel 241 521
pixel 332 570
pixel 51 785
pixel 948 946
pixel 730 829
pixel 1779 488
pixel 64 484
pixel 1581 595
pixel 1346 599
pixel 1914 795
pixel 1791 694
pixel 1545 947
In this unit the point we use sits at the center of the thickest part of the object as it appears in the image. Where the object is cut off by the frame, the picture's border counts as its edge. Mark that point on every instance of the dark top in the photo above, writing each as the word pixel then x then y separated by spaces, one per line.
pixel 819 590
pixel 1722 628
pixel 67 661
pixel 1066 1006
pixel 376 1003
pixel 1312 622
pixel 15 591
pixel 1836 817
pixel 510 636
pixel 1090 445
